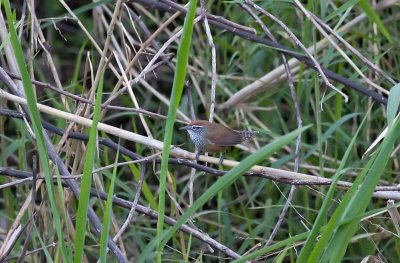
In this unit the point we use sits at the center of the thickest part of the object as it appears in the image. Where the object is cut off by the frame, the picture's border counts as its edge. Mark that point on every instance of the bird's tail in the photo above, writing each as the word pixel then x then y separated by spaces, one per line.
pixel 247 135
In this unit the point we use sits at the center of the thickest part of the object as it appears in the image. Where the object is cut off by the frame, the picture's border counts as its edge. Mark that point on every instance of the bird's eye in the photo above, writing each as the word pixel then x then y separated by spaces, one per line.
pixel 196 128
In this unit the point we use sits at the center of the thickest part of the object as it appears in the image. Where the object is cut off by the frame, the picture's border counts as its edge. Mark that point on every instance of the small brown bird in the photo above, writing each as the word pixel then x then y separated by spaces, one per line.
pixel 214 137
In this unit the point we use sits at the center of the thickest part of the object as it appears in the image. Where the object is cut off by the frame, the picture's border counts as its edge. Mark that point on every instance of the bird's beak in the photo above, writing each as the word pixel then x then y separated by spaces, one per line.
pixel 184 128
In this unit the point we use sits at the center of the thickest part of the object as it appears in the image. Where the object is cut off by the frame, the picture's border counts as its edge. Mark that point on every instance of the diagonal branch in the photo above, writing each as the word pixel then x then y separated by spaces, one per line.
pixel 233 28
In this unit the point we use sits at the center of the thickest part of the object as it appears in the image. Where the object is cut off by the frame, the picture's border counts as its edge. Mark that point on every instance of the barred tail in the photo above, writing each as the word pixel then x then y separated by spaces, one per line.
pixel 247 135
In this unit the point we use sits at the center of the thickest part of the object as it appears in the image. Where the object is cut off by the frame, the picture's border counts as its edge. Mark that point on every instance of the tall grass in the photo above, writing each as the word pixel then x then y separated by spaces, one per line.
pixel 37 127
pixel 177 88
pixel 90 156
pixel 323 223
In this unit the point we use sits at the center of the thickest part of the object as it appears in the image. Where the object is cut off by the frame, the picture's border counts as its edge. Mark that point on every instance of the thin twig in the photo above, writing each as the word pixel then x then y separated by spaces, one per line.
pixel 281 216
pixel 190 220
pixel 55 157
pixel 52 245
pixel 97 47
pixel 296 178
pixel 15 230
pixel 394 215
pixel 143 27
pixel 277 175
pixel 213 59
pixel 134 203
pixel 188 89
pixel 381 191
pixel 168 220
pixel 39 38
pixel 298 117
pixel 353 50
pixel 298 43
pixel 143 210
pixel 133 97
pixel 131 82
pixel 31 220
pixel 344 55
pixel 239 96
pixel 142 48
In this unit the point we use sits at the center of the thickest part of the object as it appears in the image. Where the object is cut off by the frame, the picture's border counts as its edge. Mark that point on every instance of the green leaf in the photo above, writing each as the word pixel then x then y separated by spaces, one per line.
pixel 83 203
pixel 393 103
pixel 332 128
pixel 108 213
pixel 374 18
pixel 177 88
pixel 357 199
pixel 322 214
pixel 78 11
pixel 300 237
pixel 37 126
pixel 225 181
pixel 338 11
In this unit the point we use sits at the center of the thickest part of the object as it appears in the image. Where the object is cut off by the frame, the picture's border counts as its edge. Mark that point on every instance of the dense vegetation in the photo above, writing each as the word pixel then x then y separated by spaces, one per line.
pixel 114 82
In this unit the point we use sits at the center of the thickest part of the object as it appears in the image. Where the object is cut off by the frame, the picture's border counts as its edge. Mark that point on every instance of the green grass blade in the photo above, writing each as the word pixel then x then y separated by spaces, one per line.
pixel 341 9
pixel 147 194
pixel 107 214
pixel 64 214
pixel 44 248
pixel 78 69
pixel 309 245
pixel 328 133
pixel 36 125
pixel 300 237
pixel 83 203
pixel 177 88
pixel 393 103
pixel 373 17
pixel 336 218
pixel 356 201
pixel 77 11
pixel 229 178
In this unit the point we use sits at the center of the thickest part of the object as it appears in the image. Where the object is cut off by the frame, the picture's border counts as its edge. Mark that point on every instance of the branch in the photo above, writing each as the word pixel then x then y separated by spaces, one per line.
pixel 277 175
pixel 133 205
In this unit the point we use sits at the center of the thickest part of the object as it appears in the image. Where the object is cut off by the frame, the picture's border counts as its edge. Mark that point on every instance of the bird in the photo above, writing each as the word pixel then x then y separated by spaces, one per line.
pixel 213 137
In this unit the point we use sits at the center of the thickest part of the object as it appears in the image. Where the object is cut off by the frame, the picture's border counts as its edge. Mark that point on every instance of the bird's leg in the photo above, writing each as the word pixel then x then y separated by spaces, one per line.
pixel 221 159
pixel 191 178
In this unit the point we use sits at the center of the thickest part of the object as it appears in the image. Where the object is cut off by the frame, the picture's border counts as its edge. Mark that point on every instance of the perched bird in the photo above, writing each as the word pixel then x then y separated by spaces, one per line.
pixel 214 137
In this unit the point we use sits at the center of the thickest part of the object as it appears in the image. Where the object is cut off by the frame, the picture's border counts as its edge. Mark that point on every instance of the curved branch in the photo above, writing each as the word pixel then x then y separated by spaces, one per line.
pixel 239 30
pixel 138 208
pixel 281 176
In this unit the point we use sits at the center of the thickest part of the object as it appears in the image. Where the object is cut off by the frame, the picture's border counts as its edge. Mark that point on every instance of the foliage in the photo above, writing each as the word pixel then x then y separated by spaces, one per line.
pixel 325 222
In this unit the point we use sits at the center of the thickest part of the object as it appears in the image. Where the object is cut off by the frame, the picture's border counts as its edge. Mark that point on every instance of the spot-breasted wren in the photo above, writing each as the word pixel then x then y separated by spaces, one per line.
pixel 214 137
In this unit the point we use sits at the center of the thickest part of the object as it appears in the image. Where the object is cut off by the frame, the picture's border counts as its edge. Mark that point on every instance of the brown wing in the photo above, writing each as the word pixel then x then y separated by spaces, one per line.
pixel 222 136
pixel 218 134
